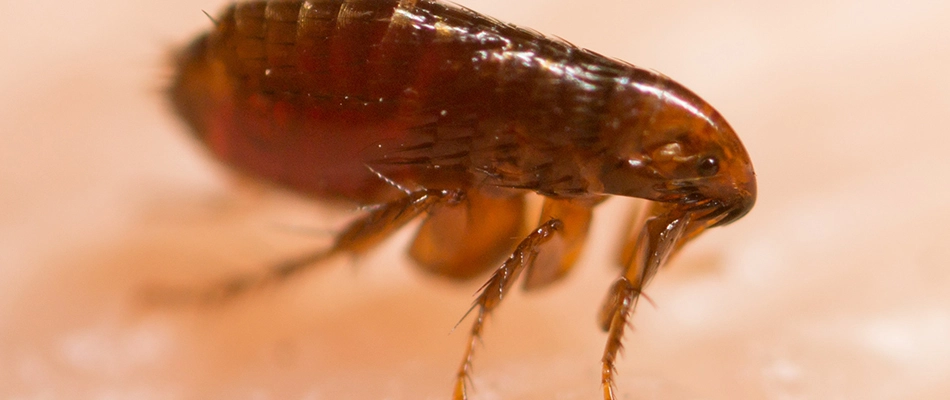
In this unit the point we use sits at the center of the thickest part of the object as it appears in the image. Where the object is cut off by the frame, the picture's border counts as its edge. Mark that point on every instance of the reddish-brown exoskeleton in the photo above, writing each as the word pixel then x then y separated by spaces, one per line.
pixel 429 109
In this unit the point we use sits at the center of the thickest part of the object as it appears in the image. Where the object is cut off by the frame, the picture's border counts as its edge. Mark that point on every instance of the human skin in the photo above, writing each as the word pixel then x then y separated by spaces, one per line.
pixel 832 286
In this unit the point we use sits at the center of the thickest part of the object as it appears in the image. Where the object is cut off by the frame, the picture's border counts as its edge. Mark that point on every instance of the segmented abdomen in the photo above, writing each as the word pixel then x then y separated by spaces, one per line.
pixel 315 83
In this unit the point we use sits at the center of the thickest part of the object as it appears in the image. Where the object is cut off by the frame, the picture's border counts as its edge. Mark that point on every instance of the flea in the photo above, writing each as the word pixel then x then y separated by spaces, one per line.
pixel 428 110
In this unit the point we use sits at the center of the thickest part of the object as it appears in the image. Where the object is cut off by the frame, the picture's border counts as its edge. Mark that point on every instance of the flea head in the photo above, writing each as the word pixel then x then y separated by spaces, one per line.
pixel 666 144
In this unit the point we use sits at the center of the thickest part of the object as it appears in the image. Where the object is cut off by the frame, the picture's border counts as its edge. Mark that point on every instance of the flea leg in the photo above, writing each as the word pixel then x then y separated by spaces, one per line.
pixel 664 232
pixel 621 300
pixel 559 256
pixel 361 235
pixel 496 288
pixel 545 255
pixel 465 240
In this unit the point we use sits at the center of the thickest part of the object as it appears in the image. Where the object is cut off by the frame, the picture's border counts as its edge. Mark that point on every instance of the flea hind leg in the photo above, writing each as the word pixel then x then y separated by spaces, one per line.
pixel 465 240
pixel 557 241
pixel 360 235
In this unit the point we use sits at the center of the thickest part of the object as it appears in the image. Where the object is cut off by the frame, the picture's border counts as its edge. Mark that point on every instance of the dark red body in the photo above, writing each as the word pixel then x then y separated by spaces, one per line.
pixel 312 95
pixel 362 99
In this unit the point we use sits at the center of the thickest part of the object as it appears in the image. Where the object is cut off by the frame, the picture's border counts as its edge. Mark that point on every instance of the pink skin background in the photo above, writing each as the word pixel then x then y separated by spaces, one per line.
pixel 834 287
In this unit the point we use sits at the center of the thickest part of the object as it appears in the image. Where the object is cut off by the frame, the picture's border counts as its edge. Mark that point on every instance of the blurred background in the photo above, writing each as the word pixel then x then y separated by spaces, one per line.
pixel 834 287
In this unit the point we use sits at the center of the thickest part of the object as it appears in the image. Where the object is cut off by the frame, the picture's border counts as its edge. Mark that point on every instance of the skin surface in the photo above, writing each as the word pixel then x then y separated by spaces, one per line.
pixel 834 287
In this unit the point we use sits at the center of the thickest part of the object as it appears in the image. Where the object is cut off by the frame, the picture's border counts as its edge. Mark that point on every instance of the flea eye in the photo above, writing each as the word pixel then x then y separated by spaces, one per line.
pixel 708 166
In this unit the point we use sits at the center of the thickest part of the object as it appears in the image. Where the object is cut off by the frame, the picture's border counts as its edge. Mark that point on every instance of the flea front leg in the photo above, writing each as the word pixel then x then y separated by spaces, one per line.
pixel 664 232
pixel 621 300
